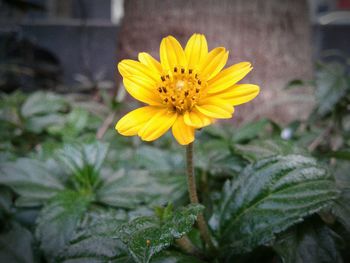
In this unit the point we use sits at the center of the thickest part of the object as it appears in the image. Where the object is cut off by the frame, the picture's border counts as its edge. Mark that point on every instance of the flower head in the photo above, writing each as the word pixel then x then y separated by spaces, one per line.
pixel 187 90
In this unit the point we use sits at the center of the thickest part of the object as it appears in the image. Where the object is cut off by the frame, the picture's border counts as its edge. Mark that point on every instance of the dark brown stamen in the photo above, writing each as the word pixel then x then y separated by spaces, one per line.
pixel 175 69
pixel 182 70
pixel 197 90
pixel 190 71
pixel 160 89
pixel 172 98
pixel 199 82
pixel 164 89
pixel 186 93
pixel 163 78
pixel 166 100
pixel 167 76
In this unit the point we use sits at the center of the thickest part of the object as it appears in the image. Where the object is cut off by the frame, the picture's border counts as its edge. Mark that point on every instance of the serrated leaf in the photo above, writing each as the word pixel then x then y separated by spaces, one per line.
pixel 76 157
pixel 268 197
pixel 311 242
pixel 259 149
pixel 96 249
pixel 93 240
pixel 100 222
pixel 41 103
pixel 82 163
pixel 30 179
pixel 146 236
pixel 59 219
pixel 16 245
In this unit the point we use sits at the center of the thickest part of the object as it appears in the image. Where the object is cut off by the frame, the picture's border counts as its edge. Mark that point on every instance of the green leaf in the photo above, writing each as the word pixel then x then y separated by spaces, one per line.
pixel 146 236
pixel 212 149
pixel 249 131
pixel 344 155
pixel 171 187
pixel 42 103
pixel 157 160
pixel 96 249
pixel 100 222
pixel 38 124
pixel 16 245
pixel 174 257
pixel 82 163
pixel 311 242
pixel 268 197
pixel 94 240
pixel 31 180
pixel 341 206
pixel 59 219
pixel 127 189
pixel 5 201
pixel 331 86
pixel 131 188
pixel 75 122
pixel 259 149
pixel 217 131
pixel 77 157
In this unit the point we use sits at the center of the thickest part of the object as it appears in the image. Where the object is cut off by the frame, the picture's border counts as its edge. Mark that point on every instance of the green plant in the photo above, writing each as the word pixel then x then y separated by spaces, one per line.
pixel 264 195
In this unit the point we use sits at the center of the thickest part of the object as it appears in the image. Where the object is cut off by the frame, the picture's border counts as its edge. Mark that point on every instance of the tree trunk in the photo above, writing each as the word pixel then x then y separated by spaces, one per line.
pixel 272 34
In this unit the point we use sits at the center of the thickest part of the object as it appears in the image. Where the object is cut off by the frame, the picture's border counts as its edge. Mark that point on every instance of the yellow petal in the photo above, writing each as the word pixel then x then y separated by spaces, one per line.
pixel 239 94
pixel 213 63
pixel 158 125
pixel 196 50
pixel 183 133
pixel 215 108
pixel 131 67
pixel 142 90
pixel 171 54
pixel 196 119
pixel 229 77
pixel 150 62
pixel 132 122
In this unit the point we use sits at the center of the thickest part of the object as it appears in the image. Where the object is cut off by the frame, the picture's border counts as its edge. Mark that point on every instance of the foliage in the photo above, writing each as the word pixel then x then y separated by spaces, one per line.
pixel 268 197
pixel 146 236
pixel 270 193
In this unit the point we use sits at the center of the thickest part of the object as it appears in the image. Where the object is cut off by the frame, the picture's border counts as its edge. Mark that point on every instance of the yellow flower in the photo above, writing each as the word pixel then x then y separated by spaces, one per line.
pixel 187 90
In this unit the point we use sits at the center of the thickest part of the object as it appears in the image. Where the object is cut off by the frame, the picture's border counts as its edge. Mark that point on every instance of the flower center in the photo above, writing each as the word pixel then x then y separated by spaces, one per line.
pixel 181 89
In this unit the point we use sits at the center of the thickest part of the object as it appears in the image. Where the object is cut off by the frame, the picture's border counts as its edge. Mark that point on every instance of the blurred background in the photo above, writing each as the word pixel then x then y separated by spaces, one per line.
pixel 74 45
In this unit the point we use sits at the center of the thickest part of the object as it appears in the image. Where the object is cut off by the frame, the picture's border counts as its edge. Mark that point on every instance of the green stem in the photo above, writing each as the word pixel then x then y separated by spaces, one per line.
pixel 191 181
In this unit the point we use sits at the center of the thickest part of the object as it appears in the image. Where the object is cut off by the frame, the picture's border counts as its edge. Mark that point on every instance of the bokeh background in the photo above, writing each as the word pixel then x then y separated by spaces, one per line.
pixel 74 45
